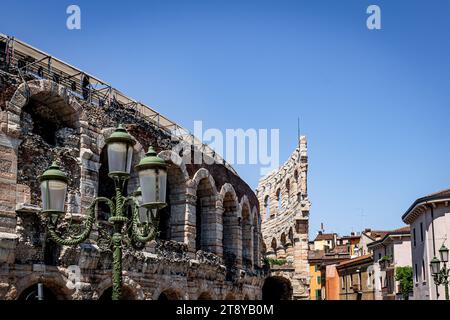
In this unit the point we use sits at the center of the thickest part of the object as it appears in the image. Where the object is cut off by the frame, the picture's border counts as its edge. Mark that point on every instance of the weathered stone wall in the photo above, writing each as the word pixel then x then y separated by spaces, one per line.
pixel 284 203
pixel 41 121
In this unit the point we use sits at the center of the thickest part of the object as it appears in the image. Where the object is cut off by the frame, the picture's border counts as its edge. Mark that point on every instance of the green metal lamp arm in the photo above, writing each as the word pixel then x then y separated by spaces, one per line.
pixel 136 233
pixel 88 225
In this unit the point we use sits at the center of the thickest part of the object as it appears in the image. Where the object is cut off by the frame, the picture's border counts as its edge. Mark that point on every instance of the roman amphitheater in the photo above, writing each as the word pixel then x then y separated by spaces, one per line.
pixel 283 197
pixel 210 243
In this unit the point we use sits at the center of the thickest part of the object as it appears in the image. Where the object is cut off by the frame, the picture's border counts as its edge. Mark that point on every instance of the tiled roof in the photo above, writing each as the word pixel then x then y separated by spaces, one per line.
pixel 441 195
pixel 356 260
pixel 324 236
pixel 315 254
pixel 445 192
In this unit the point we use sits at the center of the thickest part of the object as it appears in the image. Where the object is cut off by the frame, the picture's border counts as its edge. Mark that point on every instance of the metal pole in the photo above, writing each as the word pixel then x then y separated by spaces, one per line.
pixel 40 294
pixel 118 219
pixel 445 280
pixel 117 264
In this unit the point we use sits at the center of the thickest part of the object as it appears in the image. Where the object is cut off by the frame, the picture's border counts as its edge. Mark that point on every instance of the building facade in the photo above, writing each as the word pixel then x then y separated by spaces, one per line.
pixel 210 242
pixel 390 252
pixel 356 279
pixel 284 203
pixel 429 219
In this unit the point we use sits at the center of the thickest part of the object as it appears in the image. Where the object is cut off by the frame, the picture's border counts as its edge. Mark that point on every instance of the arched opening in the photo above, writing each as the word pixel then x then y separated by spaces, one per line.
pixel 247 237
pixel 291 235
pixel 278 194
pixel 206 233
pixel 164 216
pixel 256 239
pixel 288 190
pixel 267 206
pixel 277 288
pixel 231 254
pixel 205 296
pixel 49 131
pixel 105 185
pixel 246 297
pixel 127 294
pixel 32 293
pixel 171 218
pixel 273 245
pixel 230 296
pixel 283 239
pixel 169 294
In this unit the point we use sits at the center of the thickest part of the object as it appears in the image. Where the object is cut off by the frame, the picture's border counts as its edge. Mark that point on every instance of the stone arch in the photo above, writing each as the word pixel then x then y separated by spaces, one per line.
pixel 256 237
pixel 172 217
pixel 247 233
pixel 291 235
pixel 283 239
pixel 208 223
pixel 279 200
pixel 277 288
pixel 231 240
pixel 131 290
pixel 288 190
pixel 205 296
pixel 54 117
pixel 56 284
pixel 201 174
pixel 230 296
pixel 170 294
pixel 54 95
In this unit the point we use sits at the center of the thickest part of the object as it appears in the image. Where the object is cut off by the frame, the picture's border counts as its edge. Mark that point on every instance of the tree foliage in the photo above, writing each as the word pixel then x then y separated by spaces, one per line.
pixel 404 275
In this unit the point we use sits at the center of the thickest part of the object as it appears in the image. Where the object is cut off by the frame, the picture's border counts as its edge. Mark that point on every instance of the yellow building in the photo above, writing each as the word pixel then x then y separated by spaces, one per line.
pixel 325 241
pixel 315 286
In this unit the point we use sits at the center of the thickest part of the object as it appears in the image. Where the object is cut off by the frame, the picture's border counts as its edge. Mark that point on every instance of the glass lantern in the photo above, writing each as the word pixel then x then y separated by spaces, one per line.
pixel 152 171
pixel 144 213
pixel 120 152
pixel 53 191
pixel 443 251
pixel 435 266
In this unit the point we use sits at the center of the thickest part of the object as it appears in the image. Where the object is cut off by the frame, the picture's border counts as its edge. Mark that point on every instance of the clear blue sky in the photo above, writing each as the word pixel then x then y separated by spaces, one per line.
pixel 374 104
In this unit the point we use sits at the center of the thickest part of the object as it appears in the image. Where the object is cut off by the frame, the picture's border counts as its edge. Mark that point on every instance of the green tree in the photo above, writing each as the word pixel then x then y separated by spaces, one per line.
pixel 404 275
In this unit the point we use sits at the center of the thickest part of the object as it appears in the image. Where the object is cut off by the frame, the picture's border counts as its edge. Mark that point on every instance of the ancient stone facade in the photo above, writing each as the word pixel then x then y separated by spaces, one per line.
pixel 210 242
pixel 284 203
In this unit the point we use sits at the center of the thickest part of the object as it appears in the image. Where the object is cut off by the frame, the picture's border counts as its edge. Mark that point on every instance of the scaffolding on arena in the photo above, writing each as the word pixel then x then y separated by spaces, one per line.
pixel 23 60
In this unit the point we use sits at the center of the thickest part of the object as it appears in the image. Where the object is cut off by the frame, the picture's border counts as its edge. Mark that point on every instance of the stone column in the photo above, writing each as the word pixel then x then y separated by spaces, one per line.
pixel 8 189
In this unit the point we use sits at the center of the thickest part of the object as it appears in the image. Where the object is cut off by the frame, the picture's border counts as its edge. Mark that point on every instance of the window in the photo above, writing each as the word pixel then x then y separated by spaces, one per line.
pixel 316 267
pixel 379 256
pixel 414 237
pixel 421 232
pixel 424 274
pixel 343 283
pixel 318 294
pixel 319 280
pixel 415 271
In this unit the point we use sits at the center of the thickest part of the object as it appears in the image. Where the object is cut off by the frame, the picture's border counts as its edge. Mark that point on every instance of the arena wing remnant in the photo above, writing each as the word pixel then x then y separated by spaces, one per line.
pixel 284 203
pixel 210 244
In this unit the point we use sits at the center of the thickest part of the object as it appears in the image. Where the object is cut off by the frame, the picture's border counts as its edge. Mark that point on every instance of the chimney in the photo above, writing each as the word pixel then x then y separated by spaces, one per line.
pixel 367 230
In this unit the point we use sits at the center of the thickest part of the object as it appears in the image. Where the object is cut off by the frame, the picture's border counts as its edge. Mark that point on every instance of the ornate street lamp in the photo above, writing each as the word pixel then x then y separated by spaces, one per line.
pixel 440 276
pixel 138 224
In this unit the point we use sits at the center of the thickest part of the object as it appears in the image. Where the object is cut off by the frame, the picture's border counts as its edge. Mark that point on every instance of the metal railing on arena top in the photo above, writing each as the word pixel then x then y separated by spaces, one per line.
pixel 23 60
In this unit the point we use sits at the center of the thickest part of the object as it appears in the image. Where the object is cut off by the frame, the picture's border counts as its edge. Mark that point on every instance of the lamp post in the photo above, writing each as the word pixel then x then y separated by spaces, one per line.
pixel 138 225
pixel 440 275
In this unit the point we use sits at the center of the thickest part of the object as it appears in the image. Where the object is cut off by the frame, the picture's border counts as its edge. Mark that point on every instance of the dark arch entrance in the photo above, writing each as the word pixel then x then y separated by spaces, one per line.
pixel 277 288
pixel 127 294
pixel 31 293
pixel 169 294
